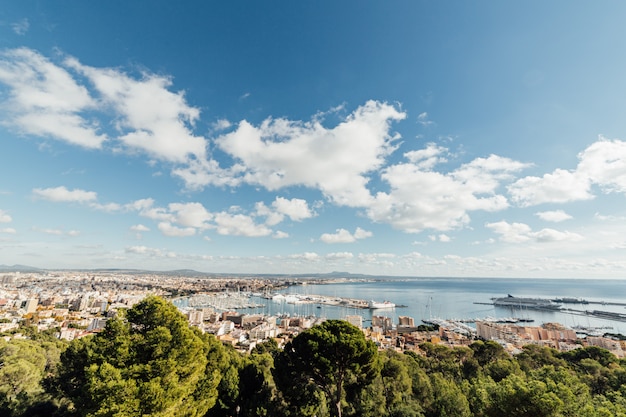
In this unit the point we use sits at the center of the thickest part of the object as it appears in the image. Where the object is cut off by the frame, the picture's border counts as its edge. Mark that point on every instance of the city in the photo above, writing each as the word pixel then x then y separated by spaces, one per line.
pixel 74 304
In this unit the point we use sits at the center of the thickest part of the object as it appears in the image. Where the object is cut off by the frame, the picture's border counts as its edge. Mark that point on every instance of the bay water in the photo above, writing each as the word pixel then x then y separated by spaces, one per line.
pixel 463 298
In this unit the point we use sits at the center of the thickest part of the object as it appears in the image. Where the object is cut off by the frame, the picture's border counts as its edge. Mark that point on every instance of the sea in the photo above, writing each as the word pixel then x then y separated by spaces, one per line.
pixel 463 299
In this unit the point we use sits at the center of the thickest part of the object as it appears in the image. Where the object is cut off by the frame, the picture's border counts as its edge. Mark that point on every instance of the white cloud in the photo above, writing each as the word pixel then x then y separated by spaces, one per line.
pixel 4 217
pixel 427 158
pixel 559 187
pixel 191 215
pixel 296 209
pixel 423 199
pixel 280 235
pixel 422 119
pixel 199 173
pixel 306 256
pixel 20 27
pixel 144 250
pixel 151 118
pixel 222 124
pixel 146 208
pixel 339 256
pixel 441 238
pixel 62 194
pixel 239 225
pixel 8 230
pixel 108 207
pixel 344 236
pixel 520 233
pixel 602 163
pixel 169 230
pixel 45 100
pixel 553 216
pixel 551 235
pixel 511 232
pixel 139 228
pixel 281 153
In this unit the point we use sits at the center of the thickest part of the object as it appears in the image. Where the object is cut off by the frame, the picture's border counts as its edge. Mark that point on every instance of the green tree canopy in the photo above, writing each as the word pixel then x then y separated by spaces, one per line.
pixel 151 363
pixel 334 356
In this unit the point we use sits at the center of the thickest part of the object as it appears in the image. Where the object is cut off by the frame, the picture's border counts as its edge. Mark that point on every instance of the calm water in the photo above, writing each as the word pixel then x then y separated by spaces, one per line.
pixel 456 298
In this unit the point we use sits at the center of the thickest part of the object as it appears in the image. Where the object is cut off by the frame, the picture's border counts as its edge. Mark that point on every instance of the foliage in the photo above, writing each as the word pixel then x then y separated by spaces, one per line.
pixel 152 363
pixel 334 357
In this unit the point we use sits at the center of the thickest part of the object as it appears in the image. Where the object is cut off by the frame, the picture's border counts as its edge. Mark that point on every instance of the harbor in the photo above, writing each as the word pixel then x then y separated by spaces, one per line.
pixel 464 301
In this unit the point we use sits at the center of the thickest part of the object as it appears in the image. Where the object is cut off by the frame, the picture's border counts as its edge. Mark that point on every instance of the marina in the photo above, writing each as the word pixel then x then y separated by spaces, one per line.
pixel 459 300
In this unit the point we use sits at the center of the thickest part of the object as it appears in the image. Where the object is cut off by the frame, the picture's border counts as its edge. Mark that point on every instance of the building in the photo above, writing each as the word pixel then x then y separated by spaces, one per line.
pixel 383 322
pixel 406 321
pixel 355 321
pixel 31 305
pixel 550 334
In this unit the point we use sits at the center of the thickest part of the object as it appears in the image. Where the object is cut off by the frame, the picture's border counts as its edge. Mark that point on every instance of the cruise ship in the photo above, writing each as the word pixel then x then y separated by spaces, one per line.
pixel 522 302
pixel 376 304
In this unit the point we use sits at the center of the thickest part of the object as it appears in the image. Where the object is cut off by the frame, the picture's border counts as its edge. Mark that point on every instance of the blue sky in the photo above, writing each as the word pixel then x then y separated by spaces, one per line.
pixel 399 138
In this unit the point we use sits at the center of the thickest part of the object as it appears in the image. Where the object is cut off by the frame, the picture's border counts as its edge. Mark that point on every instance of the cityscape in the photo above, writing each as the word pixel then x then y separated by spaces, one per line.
pixel 75 304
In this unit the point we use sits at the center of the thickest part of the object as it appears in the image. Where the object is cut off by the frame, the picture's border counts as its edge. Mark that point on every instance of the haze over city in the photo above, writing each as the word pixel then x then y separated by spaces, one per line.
pixel 395 138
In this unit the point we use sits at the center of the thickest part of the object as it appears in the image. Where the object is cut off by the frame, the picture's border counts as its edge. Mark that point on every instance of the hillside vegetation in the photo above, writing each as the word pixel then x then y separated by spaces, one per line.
pixel 151 362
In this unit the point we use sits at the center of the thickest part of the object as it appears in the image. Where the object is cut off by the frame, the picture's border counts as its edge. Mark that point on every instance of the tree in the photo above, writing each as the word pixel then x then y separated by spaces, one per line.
pixel 334 356
pixel 151 363
pixel 23 364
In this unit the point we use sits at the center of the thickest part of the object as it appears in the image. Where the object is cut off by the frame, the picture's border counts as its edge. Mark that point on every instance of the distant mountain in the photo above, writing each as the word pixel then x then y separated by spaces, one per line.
pixel 19 268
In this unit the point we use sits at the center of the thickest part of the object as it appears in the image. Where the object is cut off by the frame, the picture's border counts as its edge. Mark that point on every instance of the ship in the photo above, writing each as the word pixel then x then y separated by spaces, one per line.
pixel 523 302
pixel 376 304
pixel 570 300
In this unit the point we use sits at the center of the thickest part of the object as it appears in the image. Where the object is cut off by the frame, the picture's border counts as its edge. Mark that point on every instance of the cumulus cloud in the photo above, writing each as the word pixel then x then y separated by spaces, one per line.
pixel 172 231
pixel 441 238
pixel 8 230
pixel 296 209
pixel 62 194
pixel 239 225
pixel 421 198
pixel 553 216
pixel 281 153
pixel 561 186
pixel 280 235
pixel 221 124
pixel 150 117
pixel 4 217
pixel 344 236
pixel 46 101
pixel 603 163
pixel 139 228
pixel 427 158
pixel 191 215
pixel 520 233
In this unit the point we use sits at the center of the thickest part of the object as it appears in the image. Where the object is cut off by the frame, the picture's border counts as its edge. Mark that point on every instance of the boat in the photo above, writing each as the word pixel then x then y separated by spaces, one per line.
pixel 378 305
pixel 570 300
pixel 523 302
